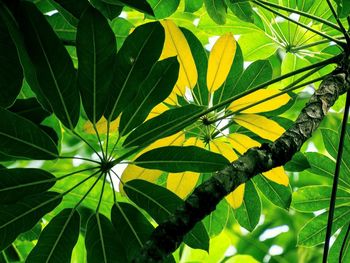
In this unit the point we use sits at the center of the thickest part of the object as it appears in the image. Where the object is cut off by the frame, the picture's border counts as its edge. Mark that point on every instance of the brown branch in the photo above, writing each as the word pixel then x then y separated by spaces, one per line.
pixel 168 236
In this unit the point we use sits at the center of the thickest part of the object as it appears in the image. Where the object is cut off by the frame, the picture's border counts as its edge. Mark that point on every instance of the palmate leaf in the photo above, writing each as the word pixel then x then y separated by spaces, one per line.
pixel 135 60
pixel 193 5
pixel 313 232
pixel 156 88
pixel 20 137
pixel 96 50
pixel 58 239
pixel 23 215
pixel 160 203
pixel 54 68
pixel 166 124
pixel 163 8
pixel 176 159
pixel 242 9
pixel 71 10
pixel 217 10
pixel 17 183
pixel 248 214
pixel 29 109
pixel 108 10
pixel 101 241
pixel 11 74
pixel 334 253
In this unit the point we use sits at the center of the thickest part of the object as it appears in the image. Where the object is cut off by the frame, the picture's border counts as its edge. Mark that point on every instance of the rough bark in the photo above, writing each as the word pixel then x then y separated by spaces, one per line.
pixel 168 236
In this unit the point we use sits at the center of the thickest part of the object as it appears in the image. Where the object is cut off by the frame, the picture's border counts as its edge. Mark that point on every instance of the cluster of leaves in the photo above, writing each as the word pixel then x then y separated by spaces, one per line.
pixel 77 87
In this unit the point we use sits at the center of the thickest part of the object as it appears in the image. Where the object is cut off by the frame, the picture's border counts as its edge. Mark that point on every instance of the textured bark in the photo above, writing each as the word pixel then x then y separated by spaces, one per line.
pixel 168 236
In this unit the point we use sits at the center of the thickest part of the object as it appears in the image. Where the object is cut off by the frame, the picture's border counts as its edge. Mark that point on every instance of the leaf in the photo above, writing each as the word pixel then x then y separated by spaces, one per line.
pixel 257 73
pixel 121 28
pixel 12 254
pixel 298 163
pixel 163 8
pixel 132 227
pixel 260 125
pixel 343 9
pixel 277 194
pixel 29 109
pixel 101 241
pixel 62 28
pixel 71 10
pixel 176 159
pixel 20 137
pixel 17 183
pixel 248 214
pixel 176 45
pixel 140 5
pixel 201 63
pixel 57 240
pixel 314 232
pixel 217 220
pixel 193 5
pixel 164 125
pixel 156 88
pixel 54 68
pixel 334 253
pixel 135 60
pixel 220 61
pixel 245 104
pixel 217 10
pixel 242 9
pixel 96 50
pixel 22 216
pixel 160 203
pixel 11 74
pixel 108 10
pixel 316 197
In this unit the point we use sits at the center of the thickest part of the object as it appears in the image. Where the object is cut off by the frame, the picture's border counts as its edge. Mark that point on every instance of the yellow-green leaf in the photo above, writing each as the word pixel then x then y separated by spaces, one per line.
pixel 220 61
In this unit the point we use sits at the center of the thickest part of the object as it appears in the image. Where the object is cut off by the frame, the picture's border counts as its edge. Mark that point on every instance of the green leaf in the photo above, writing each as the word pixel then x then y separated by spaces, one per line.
pixel 62 28
pixel 343 9
pixel 257 73
pixel 20 137
pixel 29 109
pixel 57 240
pixel 166 124
pixel 140 5
pixel 314 232
pixel 11 74
pixel 228 89
pixel 248 214
pixel 317 197
pixel 324 166
pixel 201 60
pixel 217 10
pixel 71 10
pixel 298 163
pixel 22 216
pixel 193 5
pixel 257 46
pixel 176 159
pixel 17 183
pixel 135 60
pixel 54 67
pixel 132 227
pixel 101 241
pixel 96 50
pixel 160 203
pixel 108 10
pixel 279 195
pixel 216 222
pixel 156 88
pixel 334 253
pixel 12 254
pixel 242 9
pixel 163 8
pixel 121 28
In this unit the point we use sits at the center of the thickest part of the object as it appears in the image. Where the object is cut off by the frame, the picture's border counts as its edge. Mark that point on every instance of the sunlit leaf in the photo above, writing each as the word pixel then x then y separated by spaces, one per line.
pixel 163 8
pixel 193 5
pixel 235 199
pixel 216 10
pixel 220 61
pixel 242 9
pixel 334 253
pixel 58 239
pixel 277 175
pixel 298 163
pixel 160 203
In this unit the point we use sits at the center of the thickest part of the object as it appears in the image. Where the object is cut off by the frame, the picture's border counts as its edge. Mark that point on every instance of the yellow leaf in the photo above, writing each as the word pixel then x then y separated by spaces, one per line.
pixel 176 45
pixel 257 96
pixel 222 148
pixel 220 61
pixel 260 125
pixel 101 126
pixel 157 110
pixel 277 175
pixel 182 183
pixel 235 199
pixel 241 143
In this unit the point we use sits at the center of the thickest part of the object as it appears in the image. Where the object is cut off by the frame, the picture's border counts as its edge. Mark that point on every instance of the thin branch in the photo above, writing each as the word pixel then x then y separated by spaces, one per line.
pixel 101 195
pixel 169 235
pixel 78 158
pixel 87 143
pixel 343 30
pixel 324 41
pixel 340 43
pixel 336 179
